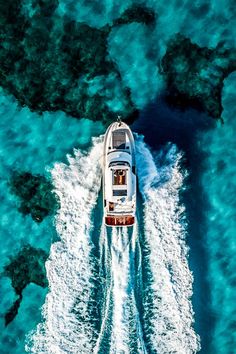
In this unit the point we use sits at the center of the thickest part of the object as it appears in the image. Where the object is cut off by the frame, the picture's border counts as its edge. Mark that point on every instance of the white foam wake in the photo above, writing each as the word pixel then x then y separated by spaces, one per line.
pixel 126 325
pixel 121 328
pixel 68 325
pixel 120 274
pixel 168 313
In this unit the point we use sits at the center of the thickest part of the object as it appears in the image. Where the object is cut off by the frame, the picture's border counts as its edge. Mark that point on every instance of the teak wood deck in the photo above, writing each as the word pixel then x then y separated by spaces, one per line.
pixel 119 220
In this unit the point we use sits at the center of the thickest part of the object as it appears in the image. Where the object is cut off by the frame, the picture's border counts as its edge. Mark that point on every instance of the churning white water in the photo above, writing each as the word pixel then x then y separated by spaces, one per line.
pixel 167 306
pixel 69 322
pixel 120 308
pixel 125 317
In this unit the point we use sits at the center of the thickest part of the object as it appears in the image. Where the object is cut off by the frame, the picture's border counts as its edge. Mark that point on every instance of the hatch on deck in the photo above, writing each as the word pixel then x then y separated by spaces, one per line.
pixel 119 177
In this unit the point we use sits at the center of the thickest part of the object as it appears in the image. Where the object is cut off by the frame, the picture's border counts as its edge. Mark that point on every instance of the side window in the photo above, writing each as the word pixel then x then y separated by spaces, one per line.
pixel 119 192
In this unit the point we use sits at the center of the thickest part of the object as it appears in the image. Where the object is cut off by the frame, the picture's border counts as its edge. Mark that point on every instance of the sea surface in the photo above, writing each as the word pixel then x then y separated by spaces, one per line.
pixel 166 285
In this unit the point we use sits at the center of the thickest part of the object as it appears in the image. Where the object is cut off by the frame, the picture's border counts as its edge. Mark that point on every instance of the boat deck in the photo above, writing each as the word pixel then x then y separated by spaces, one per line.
pixel 119 220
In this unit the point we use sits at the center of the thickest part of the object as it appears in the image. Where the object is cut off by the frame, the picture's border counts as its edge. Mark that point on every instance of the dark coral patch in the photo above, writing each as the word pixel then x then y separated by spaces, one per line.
pixel 195 75
pixel 137 13
pixel 36 195
pixel 46 61
pixel 27 266
pixel 13 311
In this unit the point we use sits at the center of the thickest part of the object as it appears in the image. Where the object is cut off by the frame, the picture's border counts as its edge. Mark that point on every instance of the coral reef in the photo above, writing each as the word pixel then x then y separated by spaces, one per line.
pixel 137 13
pixel 47 60
pixel 13 311
pixel 195 75
pixel 36 195
pixel 27 266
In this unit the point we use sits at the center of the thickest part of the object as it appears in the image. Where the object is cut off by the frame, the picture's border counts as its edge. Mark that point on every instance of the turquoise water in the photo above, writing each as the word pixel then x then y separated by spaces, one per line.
pixel 169 285
pixel 32 143
pixel 218 184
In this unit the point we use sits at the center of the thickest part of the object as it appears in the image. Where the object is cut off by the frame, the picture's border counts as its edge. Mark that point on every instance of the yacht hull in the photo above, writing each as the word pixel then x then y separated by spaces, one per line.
pixel 119 176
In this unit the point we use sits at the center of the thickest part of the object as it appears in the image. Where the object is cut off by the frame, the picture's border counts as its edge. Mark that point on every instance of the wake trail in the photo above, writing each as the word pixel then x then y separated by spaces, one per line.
pixel 69 311
pixel 126 327
pixel 168 314
pixel 104 265
pixel 120 273
pixel 121 331
pixel 137 271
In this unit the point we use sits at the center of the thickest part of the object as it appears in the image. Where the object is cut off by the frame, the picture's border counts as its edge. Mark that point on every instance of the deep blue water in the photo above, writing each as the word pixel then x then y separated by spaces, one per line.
pixel 127 292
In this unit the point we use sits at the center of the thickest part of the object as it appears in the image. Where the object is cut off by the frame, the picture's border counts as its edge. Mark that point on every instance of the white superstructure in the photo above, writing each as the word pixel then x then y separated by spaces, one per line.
pixel 119 178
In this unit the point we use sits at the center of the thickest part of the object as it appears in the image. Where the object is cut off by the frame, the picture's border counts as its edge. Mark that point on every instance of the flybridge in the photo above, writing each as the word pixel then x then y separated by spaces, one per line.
pixel 119 179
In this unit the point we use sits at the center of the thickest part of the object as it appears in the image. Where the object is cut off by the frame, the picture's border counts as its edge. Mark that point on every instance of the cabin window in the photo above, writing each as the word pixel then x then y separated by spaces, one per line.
pixel 119 177
pixel 119 192
pixel 118 139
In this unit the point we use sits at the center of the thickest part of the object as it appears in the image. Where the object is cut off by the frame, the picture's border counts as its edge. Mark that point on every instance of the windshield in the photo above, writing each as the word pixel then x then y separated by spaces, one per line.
pixel 119 163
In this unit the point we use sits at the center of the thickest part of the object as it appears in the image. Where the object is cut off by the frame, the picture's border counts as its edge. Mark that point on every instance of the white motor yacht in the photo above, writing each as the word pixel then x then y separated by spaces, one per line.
pixel 119 176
